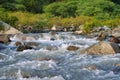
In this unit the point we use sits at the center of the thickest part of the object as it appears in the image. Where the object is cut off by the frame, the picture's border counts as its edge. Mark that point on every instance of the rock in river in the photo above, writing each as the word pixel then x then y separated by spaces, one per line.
pixel 102 48
pixel 72 48
pixel 4 38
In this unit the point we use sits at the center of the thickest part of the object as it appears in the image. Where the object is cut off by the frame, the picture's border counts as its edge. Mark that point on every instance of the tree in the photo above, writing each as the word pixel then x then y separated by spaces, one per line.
pixel 35 6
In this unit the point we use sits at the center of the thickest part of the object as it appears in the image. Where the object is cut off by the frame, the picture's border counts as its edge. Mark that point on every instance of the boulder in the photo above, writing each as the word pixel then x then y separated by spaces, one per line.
pixel 102 48
pixel 4 38
pixel 18 43
pixel 77 32
pixel 114 39
pixel 102 36
pixel 72 48
pixel 23 47
pixel 116 30
pixel 12 31
pixel 116 35
pixel 117 65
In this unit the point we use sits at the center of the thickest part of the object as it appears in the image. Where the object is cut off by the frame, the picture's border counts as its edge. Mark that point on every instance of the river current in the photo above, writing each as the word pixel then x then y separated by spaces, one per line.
pixel 57 63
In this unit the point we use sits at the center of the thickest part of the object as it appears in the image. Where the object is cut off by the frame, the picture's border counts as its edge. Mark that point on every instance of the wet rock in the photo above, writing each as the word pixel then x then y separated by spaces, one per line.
pixel 102 36
pixel 18 43
pixel 30 38
pixel 72 48
pixel 52 39
pixel 32 44
pixel 102 48
pixel 24 38
pixel 117 65
pixel 114 39
pixel 50 48
pixel 91 68
pixel 117 35
pixel 4 38
pixel 23 47
pixel 116 70
pixel 116 30
pixel 77 32
pixel 46 59
pixel 25 74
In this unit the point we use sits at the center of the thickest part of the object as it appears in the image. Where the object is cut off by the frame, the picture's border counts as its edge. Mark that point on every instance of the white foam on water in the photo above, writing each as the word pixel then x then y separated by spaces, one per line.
pixel 41 65
pixel 46 78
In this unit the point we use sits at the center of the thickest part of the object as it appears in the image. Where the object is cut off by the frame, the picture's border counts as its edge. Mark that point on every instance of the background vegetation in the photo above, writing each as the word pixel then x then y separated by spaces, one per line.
pixel 41 14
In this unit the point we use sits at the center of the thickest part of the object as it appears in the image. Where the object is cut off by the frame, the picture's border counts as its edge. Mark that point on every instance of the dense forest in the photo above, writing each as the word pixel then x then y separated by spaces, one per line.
pixel 41 14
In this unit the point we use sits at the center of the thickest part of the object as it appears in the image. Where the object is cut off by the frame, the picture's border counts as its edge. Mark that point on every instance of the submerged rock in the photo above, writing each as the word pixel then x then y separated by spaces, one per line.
pixel 23 47
pixel 102 36
pixel 32 44
pixel 18 43
pixel 72 48
pixel 92 67
pixel 102 48
pixel 114 39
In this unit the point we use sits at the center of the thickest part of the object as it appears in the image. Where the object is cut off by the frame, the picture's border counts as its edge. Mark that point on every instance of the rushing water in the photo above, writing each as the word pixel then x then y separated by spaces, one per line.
pixel 57 63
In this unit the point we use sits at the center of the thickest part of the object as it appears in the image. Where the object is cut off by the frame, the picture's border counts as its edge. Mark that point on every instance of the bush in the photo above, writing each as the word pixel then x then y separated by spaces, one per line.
pixel 41 24
pixel 112 23
pixel 89 26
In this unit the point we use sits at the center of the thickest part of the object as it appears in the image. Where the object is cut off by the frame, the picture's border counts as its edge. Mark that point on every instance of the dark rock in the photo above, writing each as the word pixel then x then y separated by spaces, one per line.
pixel 72 48
pixel 18 43
pixel 116 70
pixel 102 36
pixel 23 47
pixel 2 46
pixel 52 39
pixel 102 48
pixel 114 39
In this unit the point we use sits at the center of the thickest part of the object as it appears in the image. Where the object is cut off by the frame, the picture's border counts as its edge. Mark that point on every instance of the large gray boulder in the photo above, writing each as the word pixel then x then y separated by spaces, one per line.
pixel 102 48
pixel 8 29
pixel 12 31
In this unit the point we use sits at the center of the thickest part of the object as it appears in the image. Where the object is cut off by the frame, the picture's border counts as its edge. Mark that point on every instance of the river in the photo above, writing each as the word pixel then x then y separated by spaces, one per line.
pixel 57 63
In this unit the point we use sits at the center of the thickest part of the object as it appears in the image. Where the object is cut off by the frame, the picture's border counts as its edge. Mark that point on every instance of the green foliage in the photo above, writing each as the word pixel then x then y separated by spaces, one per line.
pixel 61 9
pixel 46 13
pixel 41 24
pixel 1 27
pixel 89 26
pixel 35 6
pixel 13 6
pixel 112 23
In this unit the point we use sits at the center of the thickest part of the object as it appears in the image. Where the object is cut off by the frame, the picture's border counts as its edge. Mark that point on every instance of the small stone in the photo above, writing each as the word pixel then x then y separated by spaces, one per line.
pixel 91 68
pixel 72 48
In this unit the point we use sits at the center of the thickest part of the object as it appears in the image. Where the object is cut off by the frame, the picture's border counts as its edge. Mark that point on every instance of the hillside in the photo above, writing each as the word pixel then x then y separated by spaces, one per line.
pixel 45 13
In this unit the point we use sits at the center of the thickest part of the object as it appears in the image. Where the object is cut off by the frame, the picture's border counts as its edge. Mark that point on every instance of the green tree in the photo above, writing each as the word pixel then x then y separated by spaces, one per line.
pixel 35 6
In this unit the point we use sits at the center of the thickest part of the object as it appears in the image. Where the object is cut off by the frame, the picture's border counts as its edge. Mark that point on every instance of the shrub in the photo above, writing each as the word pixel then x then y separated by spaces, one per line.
pixel 89 26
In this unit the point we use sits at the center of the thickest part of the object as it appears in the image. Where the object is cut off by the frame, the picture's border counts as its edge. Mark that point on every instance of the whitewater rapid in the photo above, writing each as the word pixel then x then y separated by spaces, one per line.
pixel 57 63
